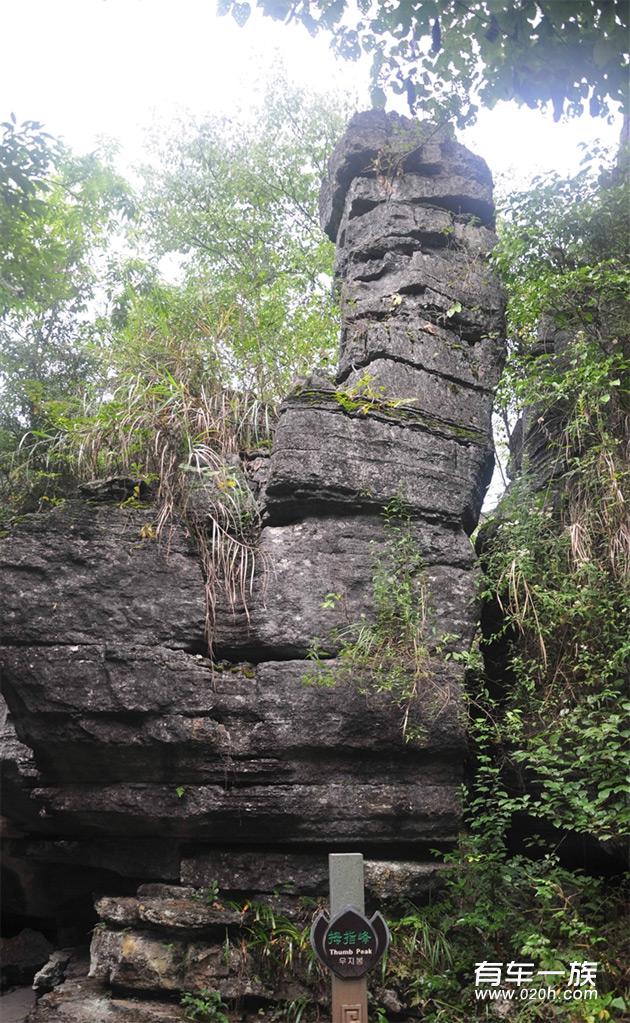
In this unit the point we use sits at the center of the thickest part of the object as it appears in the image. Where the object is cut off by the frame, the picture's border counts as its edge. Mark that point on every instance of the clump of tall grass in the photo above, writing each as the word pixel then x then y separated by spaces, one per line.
pixel 183 433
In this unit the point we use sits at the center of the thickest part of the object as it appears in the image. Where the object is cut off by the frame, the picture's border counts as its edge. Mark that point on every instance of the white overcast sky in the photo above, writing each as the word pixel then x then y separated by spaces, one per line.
pixel 89 68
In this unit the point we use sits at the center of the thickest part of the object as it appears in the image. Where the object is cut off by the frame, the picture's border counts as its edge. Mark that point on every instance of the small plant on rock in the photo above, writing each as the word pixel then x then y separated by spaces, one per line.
pixel 389 653
pixel 365 396
pixel 204 1006
pixel 209 894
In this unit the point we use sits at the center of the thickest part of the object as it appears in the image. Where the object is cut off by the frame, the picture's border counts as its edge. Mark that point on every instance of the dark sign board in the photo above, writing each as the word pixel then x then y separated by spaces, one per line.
pixel 349 944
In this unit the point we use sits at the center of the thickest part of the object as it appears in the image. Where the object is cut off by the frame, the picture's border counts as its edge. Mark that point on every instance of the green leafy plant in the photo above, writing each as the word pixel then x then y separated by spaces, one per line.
pixel 266 273
pixel 209 894
pixel 58 214
pixel 557 557
pixel 279 943
pixel 495 906
pixel 296 1009
pixel 388 654
pixel 364 396
pixel 566 619
pixel 204 1006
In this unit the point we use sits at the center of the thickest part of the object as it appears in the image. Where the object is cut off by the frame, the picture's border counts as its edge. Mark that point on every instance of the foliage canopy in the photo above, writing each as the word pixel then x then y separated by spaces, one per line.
pixel 449 56
pixel 238 202
pixel 558 557
pixel 57 214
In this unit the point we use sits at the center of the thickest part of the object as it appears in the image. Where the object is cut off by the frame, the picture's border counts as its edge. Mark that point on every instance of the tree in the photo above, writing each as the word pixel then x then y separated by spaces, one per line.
pixel 27 156
pixel 236 204
pixel 450 56
pixel 56 212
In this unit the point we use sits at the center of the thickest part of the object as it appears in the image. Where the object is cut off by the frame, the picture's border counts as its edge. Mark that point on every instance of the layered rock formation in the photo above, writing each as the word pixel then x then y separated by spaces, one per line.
pixel 139 761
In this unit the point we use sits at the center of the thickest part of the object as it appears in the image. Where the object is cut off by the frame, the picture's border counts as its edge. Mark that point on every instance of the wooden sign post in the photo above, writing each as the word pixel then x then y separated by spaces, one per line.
pixel 346 941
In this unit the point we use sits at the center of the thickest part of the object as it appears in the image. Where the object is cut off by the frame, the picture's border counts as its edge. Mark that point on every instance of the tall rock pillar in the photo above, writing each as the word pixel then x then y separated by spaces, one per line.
pixel 422 315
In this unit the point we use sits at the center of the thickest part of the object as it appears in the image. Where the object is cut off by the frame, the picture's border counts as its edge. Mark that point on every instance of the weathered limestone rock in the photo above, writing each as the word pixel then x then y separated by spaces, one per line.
pixel 135 757
pixel 218 717
pixel 304 561
pixel 400 228
pixel 324 454
pixel 22 955
pixel 313 557
pixel 89 1001
pixel 397 149
pixel 438 281
pixel 52 973
pixel 120 856
pixel 135 961
pixel 179 915
pixel 334 813
pixel 411 212
pixel 305 873
pixel 19 776
pixel 427 392
pixel 142 962
pixel 407 338
pixel 83 573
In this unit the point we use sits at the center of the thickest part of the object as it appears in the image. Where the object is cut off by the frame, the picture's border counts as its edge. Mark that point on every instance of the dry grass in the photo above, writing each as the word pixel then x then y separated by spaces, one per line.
pixel 187 440
pixel 598 519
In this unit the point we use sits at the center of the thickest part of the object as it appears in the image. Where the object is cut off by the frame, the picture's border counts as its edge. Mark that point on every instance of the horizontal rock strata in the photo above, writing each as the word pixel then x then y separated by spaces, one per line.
pixel 325 454
pixel 111 586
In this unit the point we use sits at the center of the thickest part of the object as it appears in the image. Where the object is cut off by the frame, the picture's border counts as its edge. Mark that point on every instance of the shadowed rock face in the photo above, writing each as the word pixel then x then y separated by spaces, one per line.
pixel 135 757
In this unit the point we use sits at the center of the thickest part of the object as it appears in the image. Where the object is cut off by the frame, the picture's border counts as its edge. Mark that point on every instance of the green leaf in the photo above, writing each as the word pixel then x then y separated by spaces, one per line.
pixel 378 97
pixel 241 13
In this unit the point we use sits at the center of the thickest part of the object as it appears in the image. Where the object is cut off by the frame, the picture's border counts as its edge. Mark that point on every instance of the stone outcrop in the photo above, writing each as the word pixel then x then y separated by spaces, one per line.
pixel 139 760
pixel 22 955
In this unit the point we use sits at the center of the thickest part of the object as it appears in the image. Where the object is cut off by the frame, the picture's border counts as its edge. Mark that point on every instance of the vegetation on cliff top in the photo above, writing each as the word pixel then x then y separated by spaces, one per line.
pixel 108 367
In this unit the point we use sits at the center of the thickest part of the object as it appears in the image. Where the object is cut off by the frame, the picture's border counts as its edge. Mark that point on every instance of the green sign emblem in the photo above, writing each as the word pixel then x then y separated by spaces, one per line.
pixel 349 944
